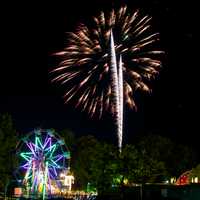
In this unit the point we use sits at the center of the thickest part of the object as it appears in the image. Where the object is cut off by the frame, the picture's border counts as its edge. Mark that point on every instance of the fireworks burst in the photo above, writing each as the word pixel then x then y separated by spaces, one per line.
pixel 85 65
pixel 85 69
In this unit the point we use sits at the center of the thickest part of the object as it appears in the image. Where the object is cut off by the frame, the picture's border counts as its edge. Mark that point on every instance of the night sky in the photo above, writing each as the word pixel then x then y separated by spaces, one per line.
pixel 31 32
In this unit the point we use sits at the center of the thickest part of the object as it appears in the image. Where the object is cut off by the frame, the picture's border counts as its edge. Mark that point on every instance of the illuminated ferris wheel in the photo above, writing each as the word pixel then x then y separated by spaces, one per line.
pixel 43 156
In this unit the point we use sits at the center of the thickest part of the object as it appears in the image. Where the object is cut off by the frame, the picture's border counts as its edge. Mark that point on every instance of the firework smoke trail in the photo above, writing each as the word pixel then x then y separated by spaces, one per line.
pixel 121 103
pixel 117 89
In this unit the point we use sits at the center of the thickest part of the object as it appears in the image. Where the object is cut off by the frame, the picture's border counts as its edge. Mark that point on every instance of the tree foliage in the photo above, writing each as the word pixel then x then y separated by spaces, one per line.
pixel 177 158
pixel 138 167
pixel 153 159
pixel 104 166
pixel 83 157
pixel 69 138
pixel 101 164
pixel 8 141
pixel 196 172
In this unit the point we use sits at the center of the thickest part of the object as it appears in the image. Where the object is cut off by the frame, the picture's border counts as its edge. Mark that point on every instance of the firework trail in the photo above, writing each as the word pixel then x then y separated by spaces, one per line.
pixel 121 103
pixel 117 89
pixel 86 71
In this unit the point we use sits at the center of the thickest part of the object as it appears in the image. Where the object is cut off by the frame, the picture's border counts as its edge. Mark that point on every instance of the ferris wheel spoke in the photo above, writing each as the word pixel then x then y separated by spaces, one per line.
pixel 27 165
pixel 57 158
pixel 27 156
pixel 47 141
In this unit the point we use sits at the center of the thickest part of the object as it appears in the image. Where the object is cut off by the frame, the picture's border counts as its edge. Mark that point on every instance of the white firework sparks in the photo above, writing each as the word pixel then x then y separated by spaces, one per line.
pixel 90 58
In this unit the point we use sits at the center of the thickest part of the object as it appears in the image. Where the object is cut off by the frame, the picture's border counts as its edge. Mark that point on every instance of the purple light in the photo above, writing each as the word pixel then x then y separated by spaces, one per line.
pixel 43 159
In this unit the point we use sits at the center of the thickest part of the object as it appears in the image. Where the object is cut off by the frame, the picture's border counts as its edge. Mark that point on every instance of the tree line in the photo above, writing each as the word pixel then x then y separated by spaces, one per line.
pixel 151 159
pixel 98 164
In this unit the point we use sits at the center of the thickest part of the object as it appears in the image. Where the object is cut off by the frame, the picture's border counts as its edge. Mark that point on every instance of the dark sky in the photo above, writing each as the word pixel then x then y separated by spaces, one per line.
pixel 31 32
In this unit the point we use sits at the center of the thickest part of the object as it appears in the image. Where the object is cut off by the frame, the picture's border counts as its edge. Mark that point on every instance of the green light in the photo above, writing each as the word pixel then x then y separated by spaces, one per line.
pixel 40 143
pixel 26 156
pixel 66 154
pixel 45 180
pixel 27 174
pixel 42 160
pixel 36 143
pixel 55 164
pixel 61 142
pixel 53 148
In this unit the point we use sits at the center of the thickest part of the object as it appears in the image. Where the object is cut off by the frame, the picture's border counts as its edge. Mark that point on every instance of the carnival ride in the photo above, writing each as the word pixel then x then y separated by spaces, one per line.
pixel 43 156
